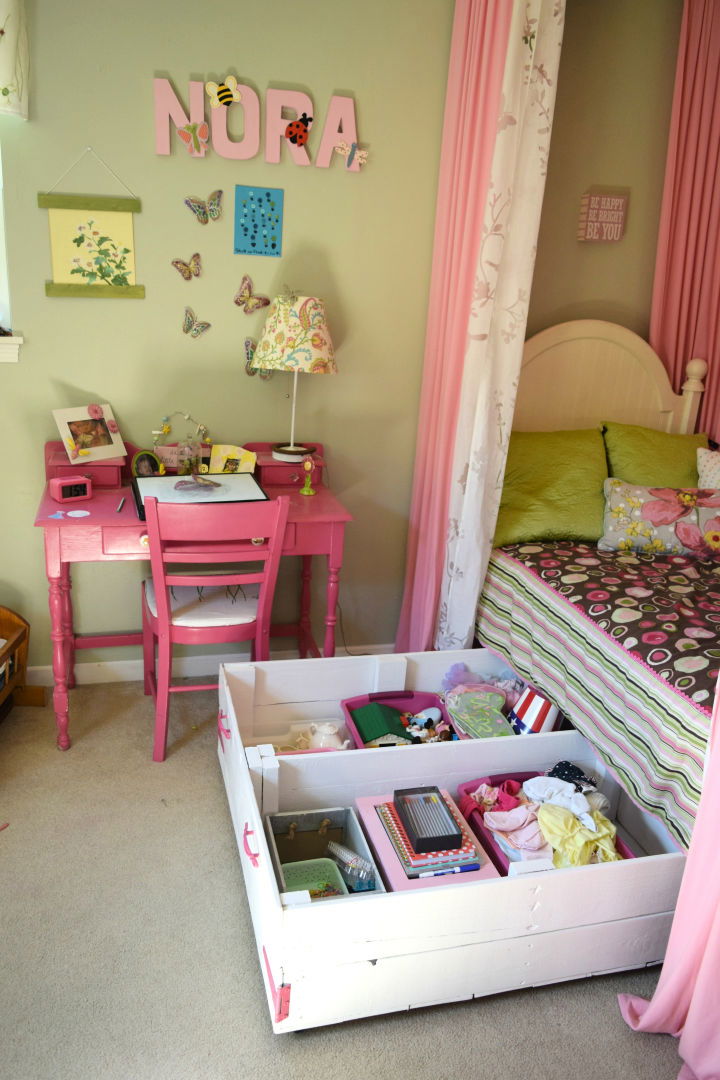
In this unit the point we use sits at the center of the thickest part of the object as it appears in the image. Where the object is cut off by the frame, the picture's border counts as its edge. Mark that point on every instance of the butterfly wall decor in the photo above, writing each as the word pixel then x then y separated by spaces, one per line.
pixel 351 153
pixel 250 347
pixel 190 269
pixel 206 211
pixel 193 326
pixel 195 137
pixel 245 299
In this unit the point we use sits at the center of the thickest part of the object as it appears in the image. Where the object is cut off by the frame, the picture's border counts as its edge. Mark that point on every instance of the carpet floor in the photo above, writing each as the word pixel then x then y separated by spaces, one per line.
pixel 126 947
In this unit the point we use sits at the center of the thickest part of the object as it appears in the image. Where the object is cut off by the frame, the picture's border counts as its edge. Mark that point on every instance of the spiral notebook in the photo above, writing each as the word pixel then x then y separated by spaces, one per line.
pixel 413 862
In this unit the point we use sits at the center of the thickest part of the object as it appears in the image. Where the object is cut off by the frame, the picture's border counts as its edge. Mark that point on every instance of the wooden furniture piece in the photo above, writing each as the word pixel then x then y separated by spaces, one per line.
pixel 14 640
pixel 222 592
pixel 370 953
pixel 576 376
pixel 272 473
pixel 109 530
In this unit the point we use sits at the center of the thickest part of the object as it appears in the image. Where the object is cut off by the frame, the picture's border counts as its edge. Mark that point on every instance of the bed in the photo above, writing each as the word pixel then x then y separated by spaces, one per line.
pixel 619 630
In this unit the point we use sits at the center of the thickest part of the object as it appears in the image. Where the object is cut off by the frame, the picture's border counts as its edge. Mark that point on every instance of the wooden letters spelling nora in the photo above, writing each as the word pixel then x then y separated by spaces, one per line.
pixel 171 118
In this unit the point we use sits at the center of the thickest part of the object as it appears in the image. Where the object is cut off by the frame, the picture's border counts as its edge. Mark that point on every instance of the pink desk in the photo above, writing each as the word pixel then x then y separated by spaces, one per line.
pixel 96 531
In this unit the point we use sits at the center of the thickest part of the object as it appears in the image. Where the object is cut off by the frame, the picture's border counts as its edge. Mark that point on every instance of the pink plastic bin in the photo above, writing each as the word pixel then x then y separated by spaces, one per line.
pixel 412 701
pixel 487 838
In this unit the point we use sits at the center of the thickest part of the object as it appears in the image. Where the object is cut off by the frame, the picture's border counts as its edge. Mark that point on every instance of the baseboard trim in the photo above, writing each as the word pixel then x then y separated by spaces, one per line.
pixel 109 671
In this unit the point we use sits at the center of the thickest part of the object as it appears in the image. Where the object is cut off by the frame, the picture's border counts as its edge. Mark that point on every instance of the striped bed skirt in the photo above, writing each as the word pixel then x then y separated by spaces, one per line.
pixel 650 732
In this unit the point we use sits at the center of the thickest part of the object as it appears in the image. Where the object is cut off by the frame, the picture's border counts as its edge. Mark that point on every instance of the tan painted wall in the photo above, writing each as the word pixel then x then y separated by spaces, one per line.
pixel 612 116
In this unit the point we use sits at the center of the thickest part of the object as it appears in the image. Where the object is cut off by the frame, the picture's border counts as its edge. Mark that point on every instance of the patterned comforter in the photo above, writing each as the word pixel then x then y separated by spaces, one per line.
pixel 627 645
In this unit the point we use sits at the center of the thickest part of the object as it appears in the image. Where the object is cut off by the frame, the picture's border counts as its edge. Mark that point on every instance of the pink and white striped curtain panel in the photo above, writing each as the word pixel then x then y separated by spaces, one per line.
pixel 13 59
pixel 498 118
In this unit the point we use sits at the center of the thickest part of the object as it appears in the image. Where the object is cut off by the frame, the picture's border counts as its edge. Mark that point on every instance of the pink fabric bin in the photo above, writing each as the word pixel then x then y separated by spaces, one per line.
pixel 412 701
pixel 474 817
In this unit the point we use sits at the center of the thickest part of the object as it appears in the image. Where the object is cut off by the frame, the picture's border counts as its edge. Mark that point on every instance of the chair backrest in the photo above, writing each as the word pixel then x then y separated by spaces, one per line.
pixel 230 534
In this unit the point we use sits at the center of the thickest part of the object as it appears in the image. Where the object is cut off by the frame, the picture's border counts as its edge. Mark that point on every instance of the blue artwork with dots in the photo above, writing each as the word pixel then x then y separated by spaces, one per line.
pixel 258 220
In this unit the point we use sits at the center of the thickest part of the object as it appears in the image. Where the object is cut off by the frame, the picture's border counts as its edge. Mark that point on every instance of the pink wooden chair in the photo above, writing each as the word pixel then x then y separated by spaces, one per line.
pixel 226 559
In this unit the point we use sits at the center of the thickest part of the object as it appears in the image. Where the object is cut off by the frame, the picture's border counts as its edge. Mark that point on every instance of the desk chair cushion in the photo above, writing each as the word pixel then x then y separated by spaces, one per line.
pixel 220 605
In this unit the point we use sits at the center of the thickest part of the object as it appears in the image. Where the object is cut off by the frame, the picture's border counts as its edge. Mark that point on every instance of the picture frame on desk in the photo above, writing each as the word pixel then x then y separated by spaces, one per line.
pixel 146 463
pixel 169 455
pixel 89 433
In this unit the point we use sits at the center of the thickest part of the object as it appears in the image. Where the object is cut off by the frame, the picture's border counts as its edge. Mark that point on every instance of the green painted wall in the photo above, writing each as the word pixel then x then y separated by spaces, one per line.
pixel 363 242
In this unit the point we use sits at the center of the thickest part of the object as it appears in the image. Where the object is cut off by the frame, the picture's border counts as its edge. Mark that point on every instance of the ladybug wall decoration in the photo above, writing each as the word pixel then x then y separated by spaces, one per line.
pixel 298 130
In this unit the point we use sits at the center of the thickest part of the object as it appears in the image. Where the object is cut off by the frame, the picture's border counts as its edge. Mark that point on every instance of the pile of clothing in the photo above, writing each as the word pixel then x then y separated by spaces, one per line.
pixel 559 817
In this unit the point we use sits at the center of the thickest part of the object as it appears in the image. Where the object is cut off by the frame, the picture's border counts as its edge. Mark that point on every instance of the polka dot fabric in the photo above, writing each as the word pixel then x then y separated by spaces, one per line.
pixel 708 462
pixel 664 609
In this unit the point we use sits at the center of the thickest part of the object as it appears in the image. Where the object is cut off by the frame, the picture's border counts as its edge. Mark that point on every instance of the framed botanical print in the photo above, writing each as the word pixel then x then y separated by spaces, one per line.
pixel 92 246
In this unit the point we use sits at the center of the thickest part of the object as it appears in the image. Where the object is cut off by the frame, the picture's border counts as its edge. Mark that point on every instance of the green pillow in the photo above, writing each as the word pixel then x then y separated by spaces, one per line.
pixel 650 458
pixel 553 488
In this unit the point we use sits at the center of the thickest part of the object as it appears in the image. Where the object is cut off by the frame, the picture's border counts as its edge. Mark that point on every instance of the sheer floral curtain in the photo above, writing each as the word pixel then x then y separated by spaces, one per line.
pixel 13 59
pixel 446 567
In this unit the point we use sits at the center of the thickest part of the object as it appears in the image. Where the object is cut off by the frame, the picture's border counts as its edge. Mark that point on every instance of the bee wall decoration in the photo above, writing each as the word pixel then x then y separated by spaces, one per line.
pixel 223 93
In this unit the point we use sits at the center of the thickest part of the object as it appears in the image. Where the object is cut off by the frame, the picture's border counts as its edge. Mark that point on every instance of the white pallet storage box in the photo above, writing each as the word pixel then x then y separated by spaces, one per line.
pixel 373 953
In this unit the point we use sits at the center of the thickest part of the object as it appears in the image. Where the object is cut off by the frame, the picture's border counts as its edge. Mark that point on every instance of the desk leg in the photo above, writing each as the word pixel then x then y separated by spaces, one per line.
pixel 60 661
pixel 58 576
pixel 67 623
pixel 333 588
pixel 305 640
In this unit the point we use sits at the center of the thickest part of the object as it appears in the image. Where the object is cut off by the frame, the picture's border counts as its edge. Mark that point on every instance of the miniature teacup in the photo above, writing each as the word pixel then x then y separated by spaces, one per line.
pixel 325 734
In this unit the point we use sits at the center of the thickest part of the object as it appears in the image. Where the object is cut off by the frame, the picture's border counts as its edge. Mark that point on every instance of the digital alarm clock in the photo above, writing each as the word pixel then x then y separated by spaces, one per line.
pixel 70 488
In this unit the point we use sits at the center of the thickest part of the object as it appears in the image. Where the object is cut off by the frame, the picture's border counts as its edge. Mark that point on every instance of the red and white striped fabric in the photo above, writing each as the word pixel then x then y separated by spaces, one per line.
pixel 533 713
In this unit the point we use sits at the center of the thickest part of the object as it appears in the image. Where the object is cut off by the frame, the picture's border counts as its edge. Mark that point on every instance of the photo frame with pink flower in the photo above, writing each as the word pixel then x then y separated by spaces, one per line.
pixel 89 433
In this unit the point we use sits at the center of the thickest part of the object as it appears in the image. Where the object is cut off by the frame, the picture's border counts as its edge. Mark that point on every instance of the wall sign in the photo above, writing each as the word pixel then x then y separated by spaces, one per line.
pixel 172 120
pixel 603 214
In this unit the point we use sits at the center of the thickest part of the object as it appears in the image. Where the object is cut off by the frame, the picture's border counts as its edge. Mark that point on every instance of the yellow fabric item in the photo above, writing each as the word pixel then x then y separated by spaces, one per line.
pixel 572 842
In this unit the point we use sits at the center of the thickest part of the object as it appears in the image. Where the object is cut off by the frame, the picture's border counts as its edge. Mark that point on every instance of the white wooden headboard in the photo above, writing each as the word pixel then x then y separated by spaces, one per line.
pixel 577 374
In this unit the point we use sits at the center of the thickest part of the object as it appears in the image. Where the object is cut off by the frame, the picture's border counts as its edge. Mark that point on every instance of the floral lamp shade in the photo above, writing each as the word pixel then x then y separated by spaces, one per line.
pixel 296 338
pixel 14 58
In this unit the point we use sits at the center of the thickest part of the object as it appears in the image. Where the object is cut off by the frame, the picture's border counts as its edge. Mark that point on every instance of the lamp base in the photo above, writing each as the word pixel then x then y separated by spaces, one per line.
pixel 290 452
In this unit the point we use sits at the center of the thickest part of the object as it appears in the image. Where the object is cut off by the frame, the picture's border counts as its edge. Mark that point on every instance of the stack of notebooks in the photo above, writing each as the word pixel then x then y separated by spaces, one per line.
pixel 416 863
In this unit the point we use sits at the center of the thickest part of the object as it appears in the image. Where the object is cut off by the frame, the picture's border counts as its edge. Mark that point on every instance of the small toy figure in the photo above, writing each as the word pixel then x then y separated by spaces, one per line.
pixel 307 488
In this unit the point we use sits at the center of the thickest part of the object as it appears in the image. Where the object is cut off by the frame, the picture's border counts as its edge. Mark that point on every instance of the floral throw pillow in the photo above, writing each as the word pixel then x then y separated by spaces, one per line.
pixel 681 521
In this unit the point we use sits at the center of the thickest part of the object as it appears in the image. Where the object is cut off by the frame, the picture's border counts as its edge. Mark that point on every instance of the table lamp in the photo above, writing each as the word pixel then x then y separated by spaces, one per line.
pixel 295 338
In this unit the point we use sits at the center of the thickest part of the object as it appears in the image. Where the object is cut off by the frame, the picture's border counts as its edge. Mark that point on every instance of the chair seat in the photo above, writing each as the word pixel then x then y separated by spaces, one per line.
pixel 217 606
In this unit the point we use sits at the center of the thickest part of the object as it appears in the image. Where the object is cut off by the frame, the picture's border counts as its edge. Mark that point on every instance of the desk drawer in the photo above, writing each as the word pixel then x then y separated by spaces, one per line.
pixel 286 476
pixel 122 540
pixel 367 954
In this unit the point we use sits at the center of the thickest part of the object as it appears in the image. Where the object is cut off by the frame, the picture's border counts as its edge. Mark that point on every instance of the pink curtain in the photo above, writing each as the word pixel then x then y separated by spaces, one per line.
pixel 685 315
pixel 472 106
pixel 686 1002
